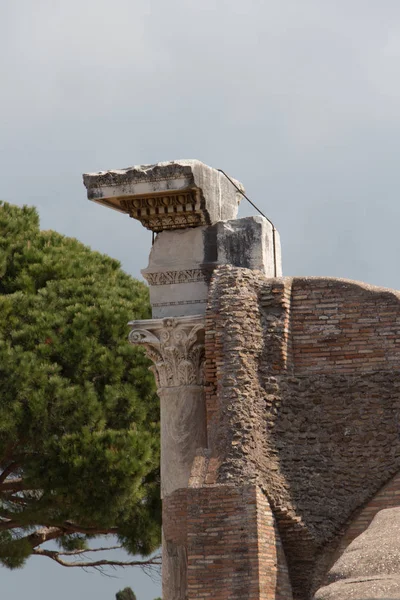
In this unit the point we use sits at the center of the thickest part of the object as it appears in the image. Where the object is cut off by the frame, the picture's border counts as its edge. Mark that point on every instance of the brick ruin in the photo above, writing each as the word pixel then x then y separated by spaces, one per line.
pixel 303 398
pixel 280 397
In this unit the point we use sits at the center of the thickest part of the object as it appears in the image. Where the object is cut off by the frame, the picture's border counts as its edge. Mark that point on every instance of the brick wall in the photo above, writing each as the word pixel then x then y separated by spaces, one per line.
pixel 342 327
pixel 273 575
pixel 303 401
pixel 230 540
pixel 175 517
pixel 303 413
pixel 174 550
pixel 222 544
pixel 232 546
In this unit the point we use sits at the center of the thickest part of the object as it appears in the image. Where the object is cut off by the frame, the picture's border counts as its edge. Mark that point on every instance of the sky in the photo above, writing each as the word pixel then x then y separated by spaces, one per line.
pixel 300 101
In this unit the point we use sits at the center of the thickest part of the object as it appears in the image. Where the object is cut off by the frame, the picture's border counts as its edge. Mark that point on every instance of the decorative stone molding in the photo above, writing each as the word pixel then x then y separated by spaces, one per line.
pixel 176 347
pixel 180 303
pixel 172 210
pixel 184 276
pixel 167 196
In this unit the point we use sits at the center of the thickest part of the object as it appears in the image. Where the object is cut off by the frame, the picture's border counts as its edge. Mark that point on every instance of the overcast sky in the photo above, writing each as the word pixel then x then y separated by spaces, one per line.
pixel 300 100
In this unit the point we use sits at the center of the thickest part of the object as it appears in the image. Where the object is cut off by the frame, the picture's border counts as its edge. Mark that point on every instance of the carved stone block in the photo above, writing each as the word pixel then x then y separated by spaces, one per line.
pixel 168 195
pixel 181 262
pixel 176 347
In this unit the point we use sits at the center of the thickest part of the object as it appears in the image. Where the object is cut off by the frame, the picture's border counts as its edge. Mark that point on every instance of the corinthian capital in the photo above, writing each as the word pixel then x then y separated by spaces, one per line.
pixel 176 347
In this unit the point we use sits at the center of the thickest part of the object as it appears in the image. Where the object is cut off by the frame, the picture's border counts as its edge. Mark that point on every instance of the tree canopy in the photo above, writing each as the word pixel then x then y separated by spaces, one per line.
pixel 79 421
pixel 125 594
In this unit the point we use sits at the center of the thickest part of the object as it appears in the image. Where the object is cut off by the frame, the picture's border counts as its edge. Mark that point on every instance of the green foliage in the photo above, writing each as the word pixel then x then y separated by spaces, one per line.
pixel 128 594
pixel 72 542
pixel 125 594
pixel 13 550
pixel 79 422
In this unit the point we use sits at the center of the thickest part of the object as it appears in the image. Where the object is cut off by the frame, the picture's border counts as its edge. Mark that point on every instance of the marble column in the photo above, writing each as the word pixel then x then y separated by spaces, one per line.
pixel 176 347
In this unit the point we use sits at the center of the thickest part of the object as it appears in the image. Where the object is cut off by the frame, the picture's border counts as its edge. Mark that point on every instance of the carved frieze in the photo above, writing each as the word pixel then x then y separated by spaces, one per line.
pixel 169 195
pixel 169 210
pixel 176 347
pixel 170 277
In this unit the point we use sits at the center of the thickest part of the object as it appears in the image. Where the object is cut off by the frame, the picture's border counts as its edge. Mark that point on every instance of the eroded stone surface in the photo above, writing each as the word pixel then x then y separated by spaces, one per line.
pixel 177 278
pixel 181 262
pixel 183 431
pixel 251 243
pixel 176 347
pixel 167 195
pixel 370 567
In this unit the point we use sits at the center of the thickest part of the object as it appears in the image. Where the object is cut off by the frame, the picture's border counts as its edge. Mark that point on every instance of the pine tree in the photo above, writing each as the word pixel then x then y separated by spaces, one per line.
pixel 125 594
pixel 79 419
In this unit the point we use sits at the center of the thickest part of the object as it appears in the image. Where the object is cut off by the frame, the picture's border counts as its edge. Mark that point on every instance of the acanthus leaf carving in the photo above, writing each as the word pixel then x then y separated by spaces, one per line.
pixel 176 347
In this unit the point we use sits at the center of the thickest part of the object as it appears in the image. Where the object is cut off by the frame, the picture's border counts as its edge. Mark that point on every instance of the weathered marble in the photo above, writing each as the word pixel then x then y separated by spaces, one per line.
pixel 251 243
pixel 167 195
pixel 181 262
pixel 176 347
pixel 183 431
pixel 176 276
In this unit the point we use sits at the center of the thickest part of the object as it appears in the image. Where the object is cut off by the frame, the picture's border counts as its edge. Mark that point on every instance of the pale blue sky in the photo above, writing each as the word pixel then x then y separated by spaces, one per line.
pixel 298 100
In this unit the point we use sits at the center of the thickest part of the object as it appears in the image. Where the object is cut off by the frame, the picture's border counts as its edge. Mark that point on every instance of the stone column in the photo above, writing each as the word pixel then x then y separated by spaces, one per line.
pixel 176 347
pixel 192 209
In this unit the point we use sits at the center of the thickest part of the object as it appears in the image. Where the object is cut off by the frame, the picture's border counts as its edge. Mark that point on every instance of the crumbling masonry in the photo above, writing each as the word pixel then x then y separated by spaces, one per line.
pixel 280 397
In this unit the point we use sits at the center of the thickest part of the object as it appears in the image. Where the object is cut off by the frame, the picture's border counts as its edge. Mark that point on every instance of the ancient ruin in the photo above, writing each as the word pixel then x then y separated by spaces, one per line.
pixel 280 397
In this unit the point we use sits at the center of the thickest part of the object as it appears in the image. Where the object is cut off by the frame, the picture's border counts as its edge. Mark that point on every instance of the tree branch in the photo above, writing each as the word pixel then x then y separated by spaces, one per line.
pixel 8 514
pixel 19 500
pixel 66 527
pixel 75 552
pixel 74 528
pixel 9 452
pixel 15 485
pixel 154 562
pixel 8 524
pixel 7 471
pixel 45 534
